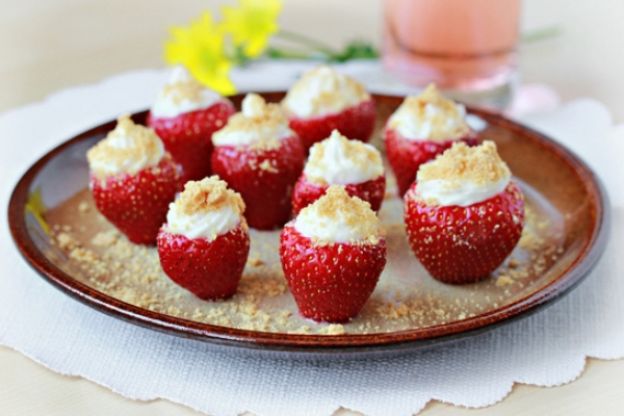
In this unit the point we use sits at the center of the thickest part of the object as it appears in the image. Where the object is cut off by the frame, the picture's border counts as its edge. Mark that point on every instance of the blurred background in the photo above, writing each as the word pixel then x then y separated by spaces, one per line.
pixel 82 41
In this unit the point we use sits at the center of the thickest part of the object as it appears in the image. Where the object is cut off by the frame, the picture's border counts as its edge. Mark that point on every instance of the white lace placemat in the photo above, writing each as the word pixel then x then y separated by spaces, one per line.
pixel 546 349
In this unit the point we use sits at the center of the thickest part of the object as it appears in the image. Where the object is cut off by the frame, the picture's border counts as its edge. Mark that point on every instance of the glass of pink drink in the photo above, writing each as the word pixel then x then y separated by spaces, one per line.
pixel 467 47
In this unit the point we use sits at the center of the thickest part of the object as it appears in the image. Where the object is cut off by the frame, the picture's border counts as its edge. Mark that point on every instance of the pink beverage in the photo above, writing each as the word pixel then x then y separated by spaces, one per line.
pixel 461 45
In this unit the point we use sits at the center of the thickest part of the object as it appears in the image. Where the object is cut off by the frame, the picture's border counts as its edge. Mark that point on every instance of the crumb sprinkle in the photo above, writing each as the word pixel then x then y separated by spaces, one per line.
pixel 445 119
pixel 338 207
pixel 129 147
pixel 208 195
pixel 478 164
pixel 322 89
pixel 184 90
pixel 265 121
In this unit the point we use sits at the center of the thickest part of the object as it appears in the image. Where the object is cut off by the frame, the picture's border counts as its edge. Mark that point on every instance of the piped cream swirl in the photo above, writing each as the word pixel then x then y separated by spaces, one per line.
pixel 340 161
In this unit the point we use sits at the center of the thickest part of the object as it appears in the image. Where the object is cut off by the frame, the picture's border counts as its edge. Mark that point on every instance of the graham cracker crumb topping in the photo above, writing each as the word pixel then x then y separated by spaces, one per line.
pixel 333 329
pixel 338 206
pixel 265 120
pixel 444 117
pixel 431 95
pixel 128 148
pixel 183 90
pixel 209 194
pixel 479 164
pixel 324 88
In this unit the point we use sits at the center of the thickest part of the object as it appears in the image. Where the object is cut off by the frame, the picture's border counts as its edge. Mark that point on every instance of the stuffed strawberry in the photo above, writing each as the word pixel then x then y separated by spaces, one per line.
pixel 421 128
pixel 340 161
pixel 261 158
pixel 133 180
pixel 185 116
pixel 332 255
pixel 203 247
pixel 464 215
pixel 324 100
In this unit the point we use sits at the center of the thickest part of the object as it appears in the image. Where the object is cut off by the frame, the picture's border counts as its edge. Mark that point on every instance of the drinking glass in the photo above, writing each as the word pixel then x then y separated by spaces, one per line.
pixel 466 47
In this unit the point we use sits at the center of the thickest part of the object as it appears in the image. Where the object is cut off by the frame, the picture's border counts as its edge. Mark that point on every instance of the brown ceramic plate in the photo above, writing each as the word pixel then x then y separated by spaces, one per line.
pixel 72 247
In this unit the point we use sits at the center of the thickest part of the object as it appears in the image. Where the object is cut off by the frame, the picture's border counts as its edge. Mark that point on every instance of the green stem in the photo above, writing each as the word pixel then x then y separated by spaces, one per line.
pixel 307 41
pixel 540 34
pixel 278 53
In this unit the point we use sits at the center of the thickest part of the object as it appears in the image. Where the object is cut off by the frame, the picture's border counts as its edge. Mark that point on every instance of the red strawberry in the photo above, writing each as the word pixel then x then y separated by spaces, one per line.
pixel 209 269
pixel 330 282
pixel 464 244
pixel 355 122
pixel 137 204
pixel 371 191
pixel 188 137
pixel 405 156
pixel 264 178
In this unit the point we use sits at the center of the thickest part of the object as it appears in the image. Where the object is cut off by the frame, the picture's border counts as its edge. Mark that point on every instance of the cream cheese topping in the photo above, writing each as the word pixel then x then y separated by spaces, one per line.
pixel 462 193
pixel 463 176
pixel 205 209
pixel 323 91
pixel 259 124
pixel 340 161
pixel 129 148
pixel 182 94
pixel 337 217
pixel 430 116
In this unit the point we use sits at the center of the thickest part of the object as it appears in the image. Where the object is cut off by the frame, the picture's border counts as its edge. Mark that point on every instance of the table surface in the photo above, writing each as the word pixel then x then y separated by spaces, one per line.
pixel 54 44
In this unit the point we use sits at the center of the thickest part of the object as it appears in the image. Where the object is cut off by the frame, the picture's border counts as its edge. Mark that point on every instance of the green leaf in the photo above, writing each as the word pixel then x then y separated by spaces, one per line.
pixel 357 49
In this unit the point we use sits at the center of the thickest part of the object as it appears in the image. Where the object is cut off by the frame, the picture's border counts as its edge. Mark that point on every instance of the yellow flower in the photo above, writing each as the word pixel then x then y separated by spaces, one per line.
pixel 200 48
pixel 36 207
pixel 252 24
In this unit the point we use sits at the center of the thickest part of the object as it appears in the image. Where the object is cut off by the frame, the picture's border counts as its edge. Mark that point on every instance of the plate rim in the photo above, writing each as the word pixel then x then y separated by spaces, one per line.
pixel 275 341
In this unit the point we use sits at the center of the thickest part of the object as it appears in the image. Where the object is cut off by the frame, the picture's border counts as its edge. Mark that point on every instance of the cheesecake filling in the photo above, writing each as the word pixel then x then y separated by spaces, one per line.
pixel 340 161
pixel 337 217
pixel 182 94
pixel 259 124
pixel 127 149
pixel 205 209
pixel 322 91
pixel 430 116
pixel 463 176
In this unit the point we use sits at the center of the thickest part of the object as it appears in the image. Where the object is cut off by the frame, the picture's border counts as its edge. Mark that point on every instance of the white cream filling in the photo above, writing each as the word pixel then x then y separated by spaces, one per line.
pixel 317 227
pixel 252 108
pixel 338 167
pixel 135 162
pixel 249 137
pixel 168 106
pixel 301 98
pixel 458 193
pixel 207 225
pixel 427 127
